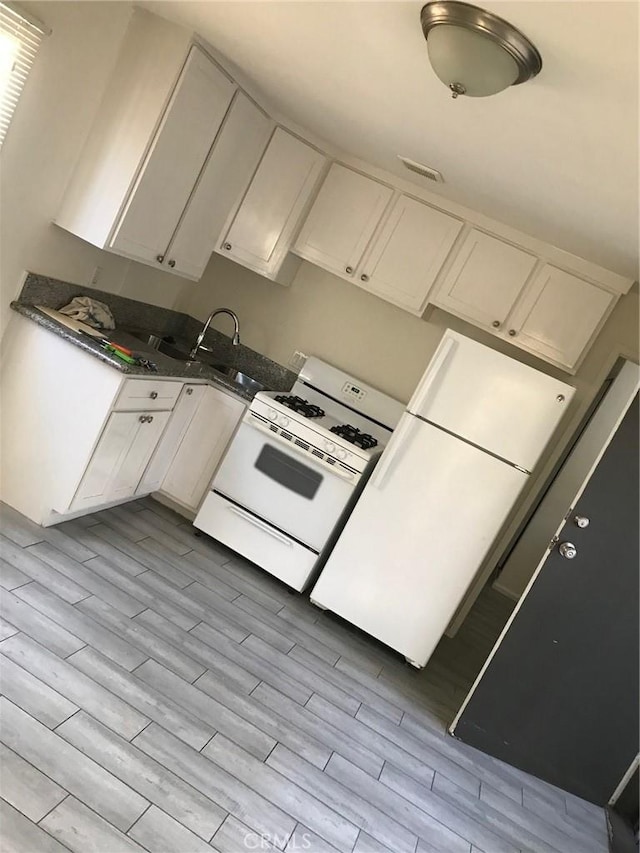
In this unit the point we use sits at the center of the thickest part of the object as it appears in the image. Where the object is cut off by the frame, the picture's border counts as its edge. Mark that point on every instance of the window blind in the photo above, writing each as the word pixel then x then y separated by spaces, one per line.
pixel 20 37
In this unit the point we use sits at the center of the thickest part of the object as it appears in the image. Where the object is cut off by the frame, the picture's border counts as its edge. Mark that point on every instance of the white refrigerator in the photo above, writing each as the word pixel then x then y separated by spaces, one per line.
pixel 444 486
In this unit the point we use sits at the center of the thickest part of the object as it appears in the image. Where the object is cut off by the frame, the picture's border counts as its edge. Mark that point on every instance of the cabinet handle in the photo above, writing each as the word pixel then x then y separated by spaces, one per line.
pixel 512 333
pixel 348 270
pixel 142 419
pixel 172 263
pixel 153 395
pixel 227 246
pixel 496 324
pixel 364 277
pixel 149 418
pixel 189 391
pixel 159 258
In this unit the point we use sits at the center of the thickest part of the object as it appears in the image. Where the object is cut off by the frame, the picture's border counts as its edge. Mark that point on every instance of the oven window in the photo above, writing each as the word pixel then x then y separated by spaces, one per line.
pixel 289 472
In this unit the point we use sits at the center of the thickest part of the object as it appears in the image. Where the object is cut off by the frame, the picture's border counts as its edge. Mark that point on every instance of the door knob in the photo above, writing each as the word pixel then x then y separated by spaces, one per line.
pixel 581 521
pixel 567 550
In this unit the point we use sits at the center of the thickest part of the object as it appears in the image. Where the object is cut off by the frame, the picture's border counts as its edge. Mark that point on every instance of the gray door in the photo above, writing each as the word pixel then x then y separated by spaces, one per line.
pixel 560 697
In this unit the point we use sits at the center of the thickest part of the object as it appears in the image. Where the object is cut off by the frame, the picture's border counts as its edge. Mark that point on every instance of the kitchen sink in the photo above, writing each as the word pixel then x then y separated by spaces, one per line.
pixel 173 352
pixel 242 380
pixel 247 383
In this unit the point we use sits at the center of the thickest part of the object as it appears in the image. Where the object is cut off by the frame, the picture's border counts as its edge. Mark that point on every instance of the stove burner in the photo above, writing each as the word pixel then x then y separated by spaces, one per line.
pixel 302 407
pixel 354 436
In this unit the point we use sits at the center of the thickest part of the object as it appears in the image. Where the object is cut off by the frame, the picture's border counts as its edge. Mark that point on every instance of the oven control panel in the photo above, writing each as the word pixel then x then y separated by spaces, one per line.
pixel 347 464
pixel 353 391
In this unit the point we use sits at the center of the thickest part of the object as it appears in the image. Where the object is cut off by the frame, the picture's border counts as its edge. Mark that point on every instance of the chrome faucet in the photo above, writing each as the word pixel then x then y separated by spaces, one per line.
pixel 236 334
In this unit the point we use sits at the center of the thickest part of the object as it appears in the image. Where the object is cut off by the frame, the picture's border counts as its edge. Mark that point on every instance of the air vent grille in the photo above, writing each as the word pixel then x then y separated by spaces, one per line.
pixel 420 169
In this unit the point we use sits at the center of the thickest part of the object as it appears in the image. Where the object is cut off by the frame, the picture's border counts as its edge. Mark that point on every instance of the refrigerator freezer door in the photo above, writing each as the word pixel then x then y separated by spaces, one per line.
pixel 417 537
pixel 491 400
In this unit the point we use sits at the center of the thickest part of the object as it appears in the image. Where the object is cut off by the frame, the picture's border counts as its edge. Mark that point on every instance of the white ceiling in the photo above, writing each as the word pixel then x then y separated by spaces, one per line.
pixel 556 157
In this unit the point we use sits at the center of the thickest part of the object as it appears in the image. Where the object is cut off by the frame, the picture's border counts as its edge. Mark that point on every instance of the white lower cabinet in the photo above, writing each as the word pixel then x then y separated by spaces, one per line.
pixel 188 454
pixel 172 438
pixel 121 455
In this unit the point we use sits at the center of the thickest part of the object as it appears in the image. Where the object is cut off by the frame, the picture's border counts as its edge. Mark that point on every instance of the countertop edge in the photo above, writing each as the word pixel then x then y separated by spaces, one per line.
pixel 203 377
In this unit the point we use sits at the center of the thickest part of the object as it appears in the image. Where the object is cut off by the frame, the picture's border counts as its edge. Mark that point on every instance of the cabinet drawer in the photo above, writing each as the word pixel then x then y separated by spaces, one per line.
pixel 147 395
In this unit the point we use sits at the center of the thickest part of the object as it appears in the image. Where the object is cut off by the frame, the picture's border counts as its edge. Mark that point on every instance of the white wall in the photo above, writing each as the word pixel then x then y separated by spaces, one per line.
pixel 42 145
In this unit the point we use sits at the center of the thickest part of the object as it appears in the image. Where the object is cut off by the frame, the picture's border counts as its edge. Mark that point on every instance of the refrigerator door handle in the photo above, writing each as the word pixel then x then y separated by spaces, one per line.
pixel 396 446
pixel 420 396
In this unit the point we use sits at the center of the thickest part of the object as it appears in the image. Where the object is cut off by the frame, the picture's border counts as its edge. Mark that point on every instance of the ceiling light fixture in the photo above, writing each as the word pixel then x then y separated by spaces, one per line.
pixel 475 52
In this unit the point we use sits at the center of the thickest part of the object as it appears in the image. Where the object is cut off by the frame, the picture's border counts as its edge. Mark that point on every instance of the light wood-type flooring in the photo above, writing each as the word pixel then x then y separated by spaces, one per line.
pixel 159 693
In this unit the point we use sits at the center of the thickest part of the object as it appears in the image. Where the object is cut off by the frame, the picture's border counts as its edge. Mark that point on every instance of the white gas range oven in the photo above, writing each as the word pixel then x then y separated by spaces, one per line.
pixel 295 468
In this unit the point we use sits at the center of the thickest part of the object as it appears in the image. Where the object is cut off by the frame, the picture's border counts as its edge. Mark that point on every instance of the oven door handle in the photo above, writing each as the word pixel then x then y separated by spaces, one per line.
pixel 261 524
pixel 297 451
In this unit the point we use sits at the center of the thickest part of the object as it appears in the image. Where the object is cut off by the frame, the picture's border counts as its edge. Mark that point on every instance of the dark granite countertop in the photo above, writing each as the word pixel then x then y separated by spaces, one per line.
pixel 270 374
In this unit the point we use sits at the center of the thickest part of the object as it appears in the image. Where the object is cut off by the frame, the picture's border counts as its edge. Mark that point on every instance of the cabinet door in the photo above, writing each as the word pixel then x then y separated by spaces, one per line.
pixel 231 164
pixel 201 448
pixel 171 438
pixel 408 253
pixel 558 315
pixel 262 230
pixel 485 280
pixel 174 161
pixel 342 220
pixel 121 455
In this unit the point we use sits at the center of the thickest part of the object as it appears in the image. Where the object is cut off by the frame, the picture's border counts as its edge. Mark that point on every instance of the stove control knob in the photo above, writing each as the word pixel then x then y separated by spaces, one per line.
pixel 283 420
pixel 272 414
pixel 329 446
pixel 341 454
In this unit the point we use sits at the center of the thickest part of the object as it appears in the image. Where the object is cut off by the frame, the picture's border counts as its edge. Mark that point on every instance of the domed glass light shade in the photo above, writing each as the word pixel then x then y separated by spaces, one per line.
pixel 475 52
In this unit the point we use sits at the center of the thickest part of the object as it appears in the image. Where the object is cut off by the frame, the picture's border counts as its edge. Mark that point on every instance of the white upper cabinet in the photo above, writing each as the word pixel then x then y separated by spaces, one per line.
pixel 407 254
pixel 232 161
pixel 558 316
pixel 485 280
pixel 534 305
pixel 174 161
pixel 173 148
pixel 342 220
pixel 393 249
pixel 260 233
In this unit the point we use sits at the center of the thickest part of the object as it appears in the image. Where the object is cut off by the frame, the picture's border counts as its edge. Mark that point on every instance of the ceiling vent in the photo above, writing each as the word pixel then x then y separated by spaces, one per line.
pixel 420 169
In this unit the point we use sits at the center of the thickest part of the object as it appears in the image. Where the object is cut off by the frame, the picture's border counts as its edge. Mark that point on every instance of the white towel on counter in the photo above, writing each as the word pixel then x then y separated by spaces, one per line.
pixel 90 311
